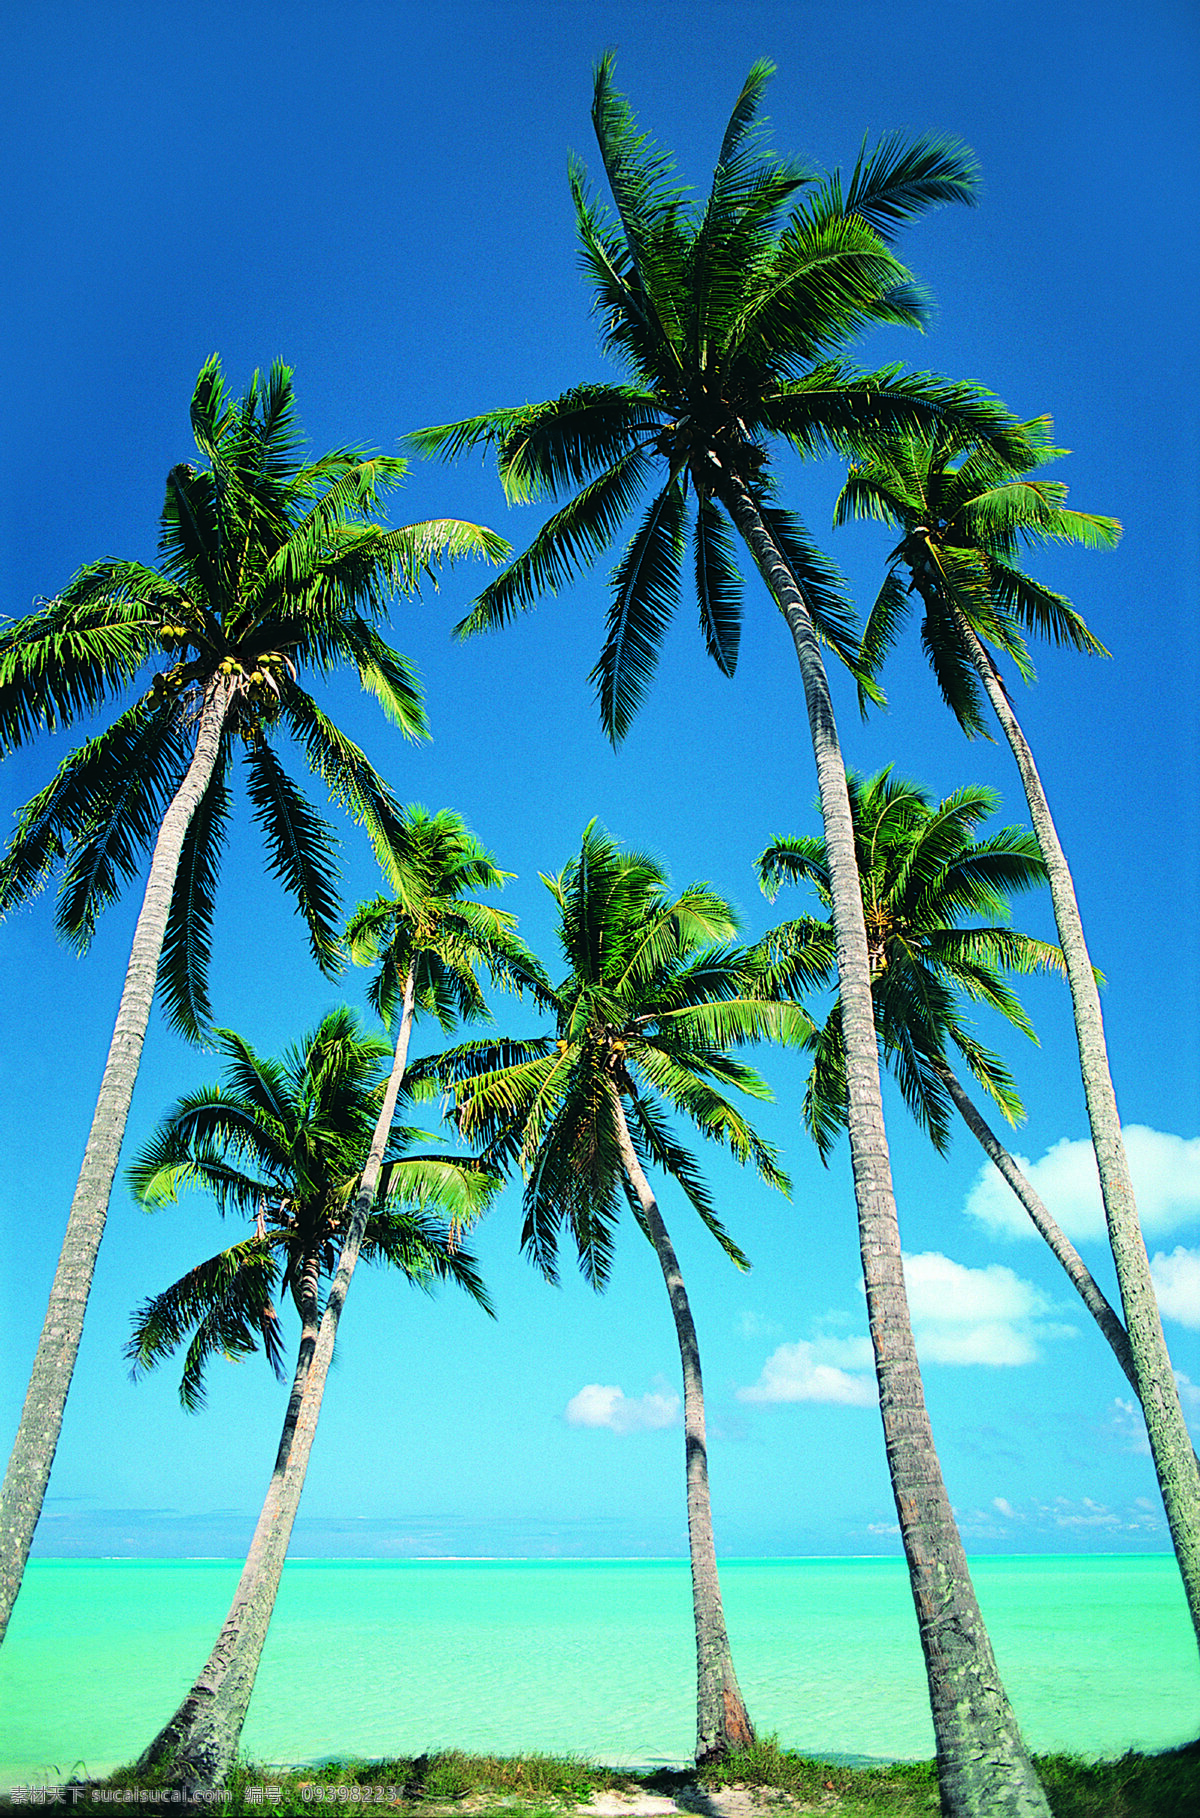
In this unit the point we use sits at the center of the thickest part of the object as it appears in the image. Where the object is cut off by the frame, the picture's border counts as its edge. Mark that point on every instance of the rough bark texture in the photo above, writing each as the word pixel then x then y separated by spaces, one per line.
pixel 170 1739
pixel 199 1745
pixel 1081 1277
pixel 984 1769
pixel 722 1722
pixel 41 1419
pixel 1170 1442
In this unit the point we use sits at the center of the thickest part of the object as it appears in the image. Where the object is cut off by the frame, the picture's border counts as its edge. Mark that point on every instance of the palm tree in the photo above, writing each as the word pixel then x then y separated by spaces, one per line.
pixel 966 509
pixel 282 1142
pixel 732 321
pixel 268 563
pixel 922 872
pixel 653 998
pixel 430 941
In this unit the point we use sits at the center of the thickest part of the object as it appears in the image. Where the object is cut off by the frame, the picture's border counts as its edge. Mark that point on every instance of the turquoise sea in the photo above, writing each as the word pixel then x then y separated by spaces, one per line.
pixel 375 1658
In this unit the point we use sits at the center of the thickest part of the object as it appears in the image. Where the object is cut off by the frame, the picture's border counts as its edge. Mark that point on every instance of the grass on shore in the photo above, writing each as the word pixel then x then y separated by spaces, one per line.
pixel 545 1786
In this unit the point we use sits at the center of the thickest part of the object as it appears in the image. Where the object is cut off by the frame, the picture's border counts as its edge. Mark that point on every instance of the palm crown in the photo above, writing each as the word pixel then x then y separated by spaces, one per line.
pixel 429 926
pixel 731 320
pixel 282 1142
pixel 654 997
pixel 269 565
pixel 966 509
pixel 922 873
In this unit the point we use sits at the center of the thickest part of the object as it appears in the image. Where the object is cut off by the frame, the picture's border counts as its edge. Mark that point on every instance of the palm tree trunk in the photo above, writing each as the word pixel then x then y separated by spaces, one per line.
pixel 1170 1442
pixel 722 1722
pixel 162 1752
pixel 200 1743
pixel 984 1769
pixel 1081 1277
pixel 41 1419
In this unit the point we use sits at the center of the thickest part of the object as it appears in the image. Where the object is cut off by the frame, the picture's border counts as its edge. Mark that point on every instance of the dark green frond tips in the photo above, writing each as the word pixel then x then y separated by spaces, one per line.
pixel 730 318
pixel 936 906
pixel 280 1143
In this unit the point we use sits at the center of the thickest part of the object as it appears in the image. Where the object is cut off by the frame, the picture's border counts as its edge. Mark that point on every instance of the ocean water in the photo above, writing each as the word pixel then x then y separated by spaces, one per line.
pixel 378 1658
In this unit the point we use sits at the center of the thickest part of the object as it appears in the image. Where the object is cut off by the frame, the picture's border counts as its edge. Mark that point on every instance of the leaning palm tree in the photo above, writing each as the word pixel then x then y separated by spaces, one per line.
pixel 922 872
pixel 282 1142
pixel 652 1000
pixel 732 321
pixel 430 940
pixel 966 510
pixel 269 564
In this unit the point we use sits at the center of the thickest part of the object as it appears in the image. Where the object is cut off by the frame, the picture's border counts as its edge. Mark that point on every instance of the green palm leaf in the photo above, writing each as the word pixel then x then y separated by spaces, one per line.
pixel 645 594
pixel 302 851
pixel 923 873
pixel 187 943
pixel 718 587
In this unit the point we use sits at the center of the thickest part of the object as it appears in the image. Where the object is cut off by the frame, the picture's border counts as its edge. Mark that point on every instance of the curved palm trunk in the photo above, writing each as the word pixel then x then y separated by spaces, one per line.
pixel 200 1743
pixel 167 1743
pixel 722 1722
pixel 1170 1442
pixel 1081 1277
pixel 984 1769
pixel 41 1418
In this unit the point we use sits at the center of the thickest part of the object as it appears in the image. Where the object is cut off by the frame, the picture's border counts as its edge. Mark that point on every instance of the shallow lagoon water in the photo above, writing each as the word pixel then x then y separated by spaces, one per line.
pixel 377 1658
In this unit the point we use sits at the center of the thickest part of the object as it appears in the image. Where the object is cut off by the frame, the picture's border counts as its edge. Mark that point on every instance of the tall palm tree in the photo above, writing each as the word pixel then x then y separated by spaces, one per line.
pixel 268 564
pixel 652 1000
pixel 966 510
pixel 282 1142
pixel 922 871
pixel 732 320
pixel 430 941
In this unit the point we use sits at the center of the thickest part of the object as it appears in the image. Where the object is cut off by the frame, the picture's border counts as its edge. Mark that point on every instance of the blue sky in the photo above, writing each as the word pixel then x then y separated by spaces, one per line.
pixel 377 194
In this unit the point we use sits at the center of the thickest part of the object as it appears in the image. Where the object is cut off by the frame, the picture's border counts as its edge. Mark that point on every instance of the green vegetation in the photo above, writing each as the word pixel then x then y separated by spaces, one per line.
pixel 778 1780
pixel 966 511
pixel 271 566
pixel 644 1020
pixel 731 320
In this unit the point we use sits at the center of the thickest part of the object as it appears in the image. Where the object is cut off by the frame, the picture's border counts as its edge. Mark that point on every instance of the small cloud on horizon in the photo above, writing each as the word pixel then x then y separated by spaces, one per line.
pixel 1061 1515
pixel 607 1405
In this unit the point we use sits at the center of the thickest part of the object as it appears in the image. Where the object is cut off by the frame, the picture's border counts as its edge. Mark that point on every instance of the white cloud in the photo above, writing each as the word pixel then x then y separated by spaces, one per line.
pixel 1001 1521
pixel 1177 1284
pixel 959 1316
pixel 821 1369
pixel 755 1325
pixel 973 1316
pixel 1166 1180
pixel 606 1405
pixel 1126 1427
pixel 1189 1392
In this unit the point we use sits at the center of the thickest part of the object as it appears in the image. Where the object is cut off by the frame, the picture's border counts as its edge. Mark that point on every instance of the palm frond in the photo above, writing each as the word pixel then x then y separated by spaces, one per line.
pixel 718 587
pixel 187 942
pixel 302 851
pixel 572 537
pixel 71 807
pixel 66 660
pixel 225 1303
pixel 664 1151
pixel 893 603
pixel 645 594
pixel 130 774
pixel 900 179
